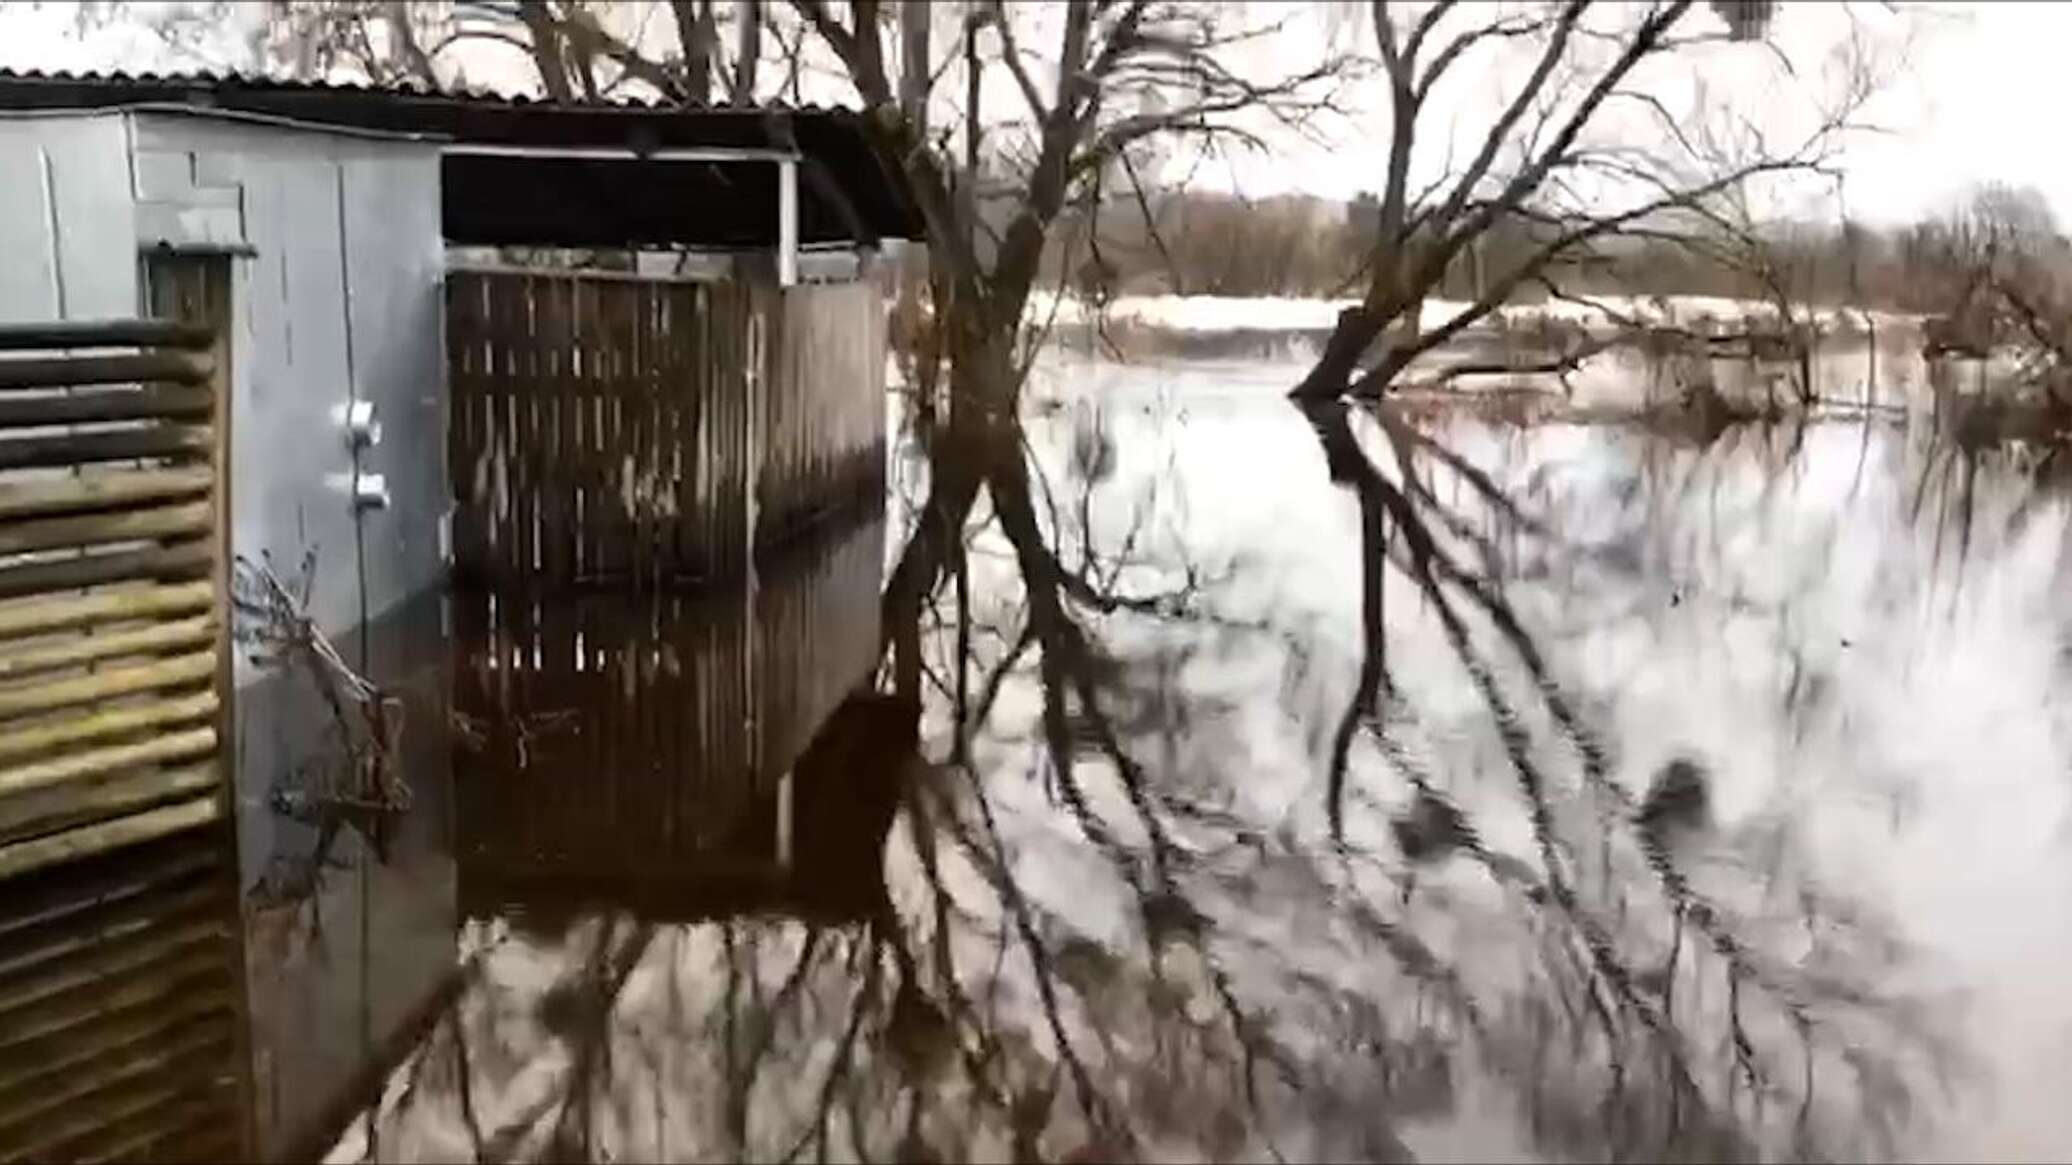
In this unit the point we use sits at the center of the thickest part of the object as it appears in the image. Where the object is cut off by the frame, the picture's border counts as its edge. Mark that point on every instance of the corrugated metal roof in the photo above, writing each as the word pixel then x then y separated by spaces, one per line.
pixel 233 79
pixel 862 194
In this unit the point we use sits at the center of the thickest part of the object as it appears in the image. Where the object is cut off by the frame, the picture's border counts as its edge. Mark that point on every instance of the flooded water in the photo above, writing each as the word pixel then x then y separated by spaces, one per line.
pixel 1353 785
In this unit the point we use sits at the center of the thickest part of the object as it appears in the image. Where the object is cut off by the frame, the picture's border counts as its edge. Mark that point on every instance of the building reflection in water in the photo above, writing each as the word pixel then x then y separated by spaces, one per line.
pixel 639 753
pixel 563 757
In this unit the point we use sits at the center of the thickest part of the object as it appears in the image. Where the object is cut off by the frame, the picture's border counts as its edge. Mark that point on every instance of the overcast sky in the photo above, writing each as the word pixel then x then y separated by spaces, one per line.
pixel 1979 99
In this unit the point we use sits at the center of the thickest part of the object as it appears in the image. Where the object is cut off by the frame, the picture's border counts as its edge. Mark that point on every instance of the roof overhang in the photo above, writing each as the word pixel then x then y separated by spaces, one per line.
pixel 537 173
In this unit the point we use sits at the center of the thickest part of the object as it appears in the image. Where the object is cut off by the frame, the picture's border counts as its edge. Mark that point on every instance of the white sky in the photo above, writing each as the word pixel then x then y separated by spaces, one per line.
pixel 1979 99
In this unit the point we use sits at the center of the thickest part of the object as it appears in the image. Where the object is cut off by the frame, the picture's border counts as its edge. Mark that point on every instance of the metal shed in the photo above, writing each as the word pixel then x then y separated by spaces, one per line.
pixel 318 255
pixel 310 226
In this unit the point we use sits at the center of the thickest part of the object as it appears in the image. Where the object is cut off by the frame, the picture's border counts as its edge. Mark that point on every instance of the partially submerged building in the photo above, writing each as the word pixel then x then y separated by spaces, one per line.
pixel 429 337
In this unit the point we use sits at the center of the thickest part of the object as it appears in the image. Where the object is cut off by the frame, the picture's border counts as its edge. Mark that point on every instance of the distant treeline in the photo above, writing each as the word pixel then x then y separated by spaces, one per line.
pixel 1213 243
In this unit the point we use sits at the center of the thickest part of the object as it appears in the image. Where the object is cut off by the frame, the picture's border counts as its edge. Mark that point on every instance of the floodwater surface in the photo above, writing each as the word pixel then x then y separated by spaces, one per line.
pixel 1352 784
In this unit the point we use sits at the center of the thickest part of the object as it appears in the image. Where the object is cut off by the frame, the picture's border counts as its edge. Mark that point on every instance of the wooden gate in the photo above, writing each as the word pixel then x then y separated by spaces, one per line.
pixel 118 1020
pixel 607 428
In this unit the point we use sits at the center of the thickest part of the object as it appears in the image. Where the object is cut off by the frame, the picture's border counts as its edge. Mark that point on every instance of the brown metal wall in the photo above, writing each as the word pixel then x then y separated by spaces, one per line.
pixel 118 1013
pixel 824 419
pixel 613 429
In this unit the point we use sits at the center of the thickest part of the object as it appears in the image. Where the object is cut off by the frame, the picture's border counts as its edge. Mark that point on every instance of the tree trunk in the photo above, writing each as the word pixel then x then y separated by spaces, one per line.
pixel 695 32
pixel 914 66
pixel 749 54
pixel 980 432
pixel 546 49
pixel 1332 377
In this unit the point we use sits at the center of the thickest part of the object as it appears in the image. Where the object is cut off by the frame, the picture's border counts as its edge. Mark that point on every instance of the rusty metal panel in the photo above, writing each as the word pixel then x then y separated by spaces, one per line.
pixel 825 430
pixel 612 428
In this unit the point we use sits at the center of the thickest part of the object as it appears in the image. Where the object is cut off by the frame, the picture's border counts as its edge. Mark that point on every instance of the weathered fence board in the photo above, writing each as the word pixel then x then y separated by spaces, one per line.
pixel 825 422
pixel 118 1018
pixel 608 743
pixel 80 625
pixel 654 432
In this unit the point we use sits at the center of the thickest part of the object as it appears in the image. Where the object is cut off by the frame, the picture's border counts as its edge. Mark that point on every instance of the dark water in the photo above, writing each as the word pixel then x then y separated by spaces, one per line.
pixel 1360 787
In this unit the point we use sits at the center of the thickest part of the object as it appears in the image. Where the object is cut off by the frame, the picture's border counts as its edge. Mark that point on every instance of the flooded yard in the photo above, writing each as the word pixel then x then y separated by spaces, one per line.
pixel 1354 784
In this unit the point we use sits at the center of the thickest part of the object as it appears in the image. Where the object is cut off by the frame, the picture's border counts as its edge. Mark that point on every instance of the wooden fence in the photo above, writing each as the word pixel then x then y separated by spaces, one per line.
pixel 613 429
pixel 608 743
pixel 118 1014
pixel 824 421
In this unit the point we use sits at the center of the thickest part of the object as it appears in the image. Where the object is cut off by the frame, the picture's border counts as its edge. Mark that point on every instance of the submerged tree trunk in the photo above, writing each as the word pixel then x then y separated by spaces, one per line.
pixel 1333 375
pixel 1338 368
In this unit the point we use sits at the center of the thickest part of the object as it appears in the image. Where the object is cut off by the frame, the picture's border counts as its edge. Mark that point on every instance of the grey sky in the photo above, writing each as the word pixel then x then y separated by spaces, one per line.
pixel 1977 99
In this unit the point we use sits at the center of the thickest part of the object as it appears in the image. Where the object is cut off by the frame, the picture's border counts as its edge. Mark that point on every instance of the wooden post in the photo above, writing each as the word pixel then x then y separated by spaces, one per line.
pixel 787 222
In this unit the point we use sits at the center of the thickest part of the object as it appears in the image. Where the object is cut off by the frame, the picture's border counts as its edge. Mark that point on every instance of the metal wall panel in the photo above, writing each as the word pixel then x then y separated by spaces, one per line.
pixel 340 300
pixel 348 916
pixel 65 219
pixel 650 430
pixel 824 415
pixel 335 262
pixel 395 267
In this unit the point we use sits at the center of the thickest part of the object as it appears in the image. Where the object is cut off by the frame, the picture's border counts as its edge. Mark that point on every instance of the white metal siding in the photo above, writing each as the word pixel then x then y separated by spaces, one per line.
pixel 65 219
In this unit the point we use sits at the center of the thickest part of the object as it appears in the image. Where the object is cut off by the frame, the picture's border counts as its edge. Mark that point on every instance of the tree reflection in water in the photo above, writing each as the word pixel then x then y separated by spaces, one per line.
pixel 1123 870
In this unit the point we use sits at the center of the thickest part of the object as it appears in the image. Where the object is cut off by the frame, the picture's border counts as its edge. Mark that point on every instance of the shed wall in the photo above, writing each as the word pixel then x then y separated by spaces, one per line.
pixel 338 300
pixel 337 267
pixel 65 219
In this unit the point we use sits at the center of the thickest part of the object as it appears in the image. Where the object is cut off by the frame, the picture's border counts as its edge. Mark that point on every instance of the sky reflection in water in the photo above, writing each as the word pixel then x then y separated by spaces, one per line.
pixel 1694 801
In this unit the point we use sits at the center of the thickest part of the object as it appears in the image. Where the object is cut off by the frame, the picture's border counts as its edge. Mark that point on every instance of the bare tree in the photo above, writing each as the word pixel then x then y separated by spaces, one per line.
pixel 587 49
pixel 385 42
pixel 2005 284
pixel 1584 148
pixel 992 186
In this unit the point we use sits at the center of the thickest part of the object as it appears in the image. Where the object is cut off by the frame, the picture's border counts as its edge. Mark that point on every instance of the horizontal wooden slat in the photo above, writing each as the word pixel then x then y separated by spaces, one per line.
pixel 133 878
pixel 155 639
pixel 208 1138
pixel 112 333
pixel 36 952
pixel 96 724
pixel 57 614
pixel 73 1087
pixel 151 401
pixel 103 1037
pixel 100 797
pixel 100 529
pixel 71 1008
pixel 90 968
pixel 97 761
pixel 125 1118
pixel 167 673
pixel 163 1133
pixel 69 449
pixel 102 488
pixel 162 563
pixel 75 649
pixel 72 844
pixel 52 372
